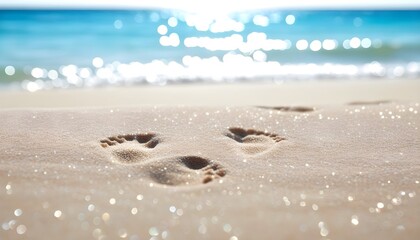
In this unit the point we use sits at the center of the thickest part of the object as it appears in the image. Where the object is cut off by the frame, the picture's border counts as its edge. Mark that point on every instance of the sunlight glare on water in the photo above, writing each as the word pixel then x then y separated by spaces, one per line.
pixel 162 47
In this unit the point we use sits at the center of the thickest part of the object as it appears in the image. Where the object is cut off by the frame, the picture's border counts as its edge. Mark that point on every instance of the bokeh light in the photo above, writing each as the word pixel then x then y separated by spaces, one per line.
pixel 169 46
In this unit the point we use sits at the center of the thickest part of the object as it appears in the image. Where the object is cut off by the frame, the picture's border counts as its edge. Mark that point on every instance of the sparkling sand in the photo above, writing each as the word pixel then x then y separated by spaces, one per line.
pixel 268 169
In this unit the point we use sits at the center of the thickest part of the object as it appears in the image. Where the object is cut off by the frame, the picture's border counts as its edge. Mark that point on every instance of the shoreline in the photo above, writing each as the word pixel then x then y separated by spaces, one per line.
pixel 289 93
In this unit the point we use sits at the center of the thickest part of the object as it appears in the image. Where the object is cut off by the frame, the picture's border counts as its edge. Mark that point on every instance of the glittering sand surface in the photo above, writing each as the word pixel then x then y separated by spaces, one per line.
pixel 344 171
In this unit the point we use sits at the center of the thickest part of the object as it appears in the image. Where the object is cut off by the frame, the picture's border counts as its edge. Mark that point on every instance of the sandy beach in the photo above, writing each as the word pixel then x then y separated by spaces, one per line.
pixel 326 92
pixel 330 161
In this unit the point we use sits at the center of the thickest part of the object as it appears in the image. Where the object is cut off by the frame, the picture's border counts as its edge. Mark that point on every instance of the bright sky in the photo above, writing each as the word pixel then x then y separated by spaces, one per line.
pixel 214 5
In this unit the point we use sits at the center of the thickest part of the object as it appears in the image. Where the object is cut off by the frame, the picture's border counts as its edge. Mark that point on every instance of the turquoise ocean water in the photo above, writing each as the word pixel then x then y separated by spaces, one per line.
pixel 43 49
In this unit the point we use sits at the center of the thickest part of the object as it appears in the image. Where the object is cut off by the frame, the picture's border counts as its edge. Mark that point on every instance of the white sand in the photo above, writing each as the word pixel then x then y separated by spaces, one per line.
pixel 340 171
pixel 291 93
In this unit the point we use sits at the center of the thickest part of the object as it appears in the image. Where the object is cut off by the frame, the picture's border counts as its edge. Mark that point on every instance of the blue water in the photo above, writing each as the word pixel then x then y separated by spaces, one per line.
pixel 274 44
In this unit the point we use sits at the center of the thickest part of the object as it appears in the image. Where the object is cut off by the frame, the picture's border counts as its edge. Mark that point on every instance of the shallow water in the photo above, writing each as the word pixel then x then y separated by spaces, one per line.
pixel 84 48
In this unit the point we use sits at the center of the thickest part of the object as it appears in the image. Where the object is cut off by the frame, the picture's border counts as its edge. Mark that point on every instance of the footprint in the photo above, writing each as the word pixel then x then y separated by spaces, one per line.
pixel 187 170
pixel 253 141
pixel 130 148
pixel 135 149
pixel 369 102
pixel 289 109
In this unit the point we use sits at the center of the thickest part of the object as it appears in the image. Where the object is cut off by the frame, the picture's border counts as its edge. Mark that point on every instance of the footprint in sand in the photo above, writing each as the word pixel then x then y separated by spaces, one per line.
pixel 380 102
pixel 299 109
pixel 130 148
pixel 136 150
pixel 253 141
pixel 185 170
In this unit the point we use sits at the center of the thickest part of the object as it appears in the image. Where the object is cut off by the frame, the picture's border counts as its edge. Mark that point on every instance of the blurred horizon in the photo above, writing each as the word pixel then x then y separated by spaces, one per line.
pixel 219 5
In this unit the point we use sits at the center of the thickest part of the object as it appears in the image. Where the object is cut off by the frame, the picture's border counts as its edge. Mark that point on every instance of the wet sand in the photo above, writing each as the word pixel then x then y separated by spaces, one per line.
pixel 309 171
